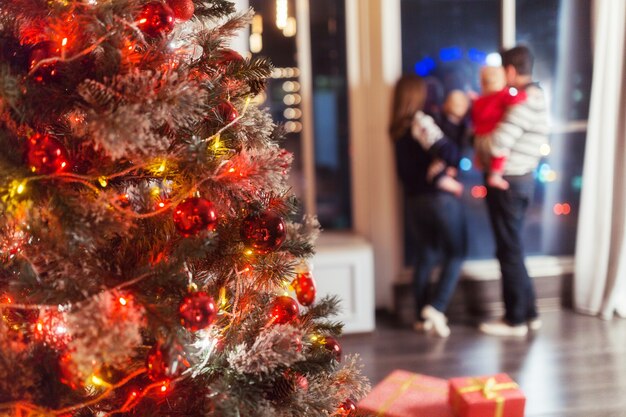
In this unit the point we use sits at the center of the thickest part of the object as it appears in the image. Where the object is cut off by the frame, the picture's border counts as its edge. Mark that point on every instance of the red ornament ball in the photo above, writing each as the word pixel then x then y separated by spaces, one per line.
pixel 227 112
pixel 332 345
pixel 263 232
pixel 156 19
pixel 46 155
pixel 304 285
pixel 197 311
pixel 194 215
pixel 347 408
pixel 226 56
pixel 164 363
pixel 284 309
pixel 183 9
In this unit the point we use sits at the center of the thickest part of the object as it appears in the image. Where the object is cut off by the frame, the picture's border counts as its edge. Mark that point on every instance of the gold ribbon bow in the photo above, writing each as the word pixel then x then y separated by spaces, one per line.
pixel 405 386
pixel 490 390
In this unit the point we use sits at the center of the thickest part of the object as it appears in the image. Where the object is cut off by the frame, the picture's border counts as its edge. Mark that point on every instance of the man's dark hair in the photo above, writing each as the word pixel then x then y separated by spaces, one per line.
pixel 520 58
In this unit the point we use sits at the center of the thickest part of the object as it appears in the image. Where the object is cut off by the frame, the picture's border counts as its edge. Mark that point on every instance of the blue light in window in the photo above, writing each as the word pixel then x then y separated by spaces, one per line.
pixel 452 53
pixel 477 56
pixel 465 164
pixel 545 173
pixel 424 66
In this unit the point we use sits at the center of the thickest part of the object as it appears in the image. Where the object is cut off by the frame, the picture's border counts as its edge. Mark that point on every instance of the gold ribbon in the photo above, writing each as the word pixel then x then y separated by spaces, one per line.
pixel 406 384
pixel 490 388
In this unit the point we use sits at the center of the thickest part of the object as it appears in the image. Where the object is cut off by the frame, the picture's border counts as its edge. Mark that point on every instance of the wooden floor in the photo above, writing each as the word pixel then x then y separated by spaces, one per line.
pixel 575 366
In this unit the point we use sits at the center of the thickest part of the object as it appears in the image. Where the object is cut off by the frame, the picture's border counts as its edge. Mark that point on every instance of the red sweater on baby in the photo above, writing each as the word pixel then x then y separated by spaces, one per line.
pixel 489 110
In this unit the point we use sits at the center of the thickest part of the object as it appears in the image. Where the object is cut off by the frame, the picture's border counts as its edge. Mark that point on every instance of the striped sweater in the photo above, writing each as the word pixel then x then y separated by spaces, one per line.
pixel 522 133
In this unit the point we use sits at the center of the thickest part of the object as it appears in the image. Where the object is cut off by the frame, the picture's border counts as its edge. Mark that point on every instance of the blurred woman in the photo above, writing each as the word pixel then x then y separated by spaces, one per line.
pixel 435 217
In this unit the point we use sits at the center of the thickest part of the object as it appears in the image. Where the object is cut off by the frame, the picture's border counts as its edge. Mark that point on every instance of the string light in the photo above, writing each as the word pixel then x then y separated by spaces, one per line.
pixel 282 14
pixel 123 301
pixel 103 181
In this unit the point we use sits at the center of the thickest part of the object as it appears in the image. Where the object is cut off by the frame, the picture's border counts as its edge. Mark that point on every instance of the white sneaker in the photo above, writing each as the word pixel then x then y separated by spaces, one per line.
pixel 500 328
pixel 534 324
pixel 438 320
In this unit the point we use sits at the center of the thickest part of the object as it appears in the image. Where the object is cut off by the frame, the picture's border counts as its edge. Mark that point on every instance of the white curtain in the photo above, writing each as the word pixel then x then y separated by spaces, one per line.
pixel 600 274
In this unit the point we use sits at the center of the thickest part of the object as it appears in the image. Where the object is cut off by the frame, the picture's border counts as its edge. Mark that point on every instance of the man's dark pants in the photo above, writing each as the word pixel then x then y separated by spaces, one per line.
pixel 507 211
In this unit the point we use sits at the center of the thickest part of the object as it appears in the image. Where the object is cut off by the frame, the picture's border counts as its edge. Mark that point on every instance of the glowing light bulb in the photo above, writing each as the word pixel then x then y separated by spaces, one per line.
pixel 96 380
pixel 103 181
pixel 123 301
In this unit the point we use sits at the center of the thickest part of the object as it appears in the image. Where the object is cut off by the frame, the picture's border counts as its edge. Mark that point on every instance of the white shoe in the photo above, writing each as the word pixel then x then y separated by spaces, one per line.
pixel 500 328
pixel 534 324
pixel 438 320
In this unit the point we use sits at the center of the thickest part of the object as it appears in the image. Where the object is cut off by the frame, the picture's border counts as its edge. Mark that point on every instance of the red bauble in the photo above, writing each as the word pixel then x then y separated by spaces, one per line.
pixel 183 9
pixel 164 363
pixel 304 285
pixel 332 345
pixel 347 408
pixel 197 311
pixel 46 155
pixel 194 215
pixel 227 112
pixel 264 232
pixel 225 57
pixel 156 19
pixel 284 309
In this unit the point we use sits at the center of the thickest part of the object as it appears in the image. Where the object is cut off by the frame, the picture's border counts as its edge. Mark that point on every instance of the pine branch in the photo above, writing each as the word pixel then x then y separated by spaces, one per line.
pixel 214 9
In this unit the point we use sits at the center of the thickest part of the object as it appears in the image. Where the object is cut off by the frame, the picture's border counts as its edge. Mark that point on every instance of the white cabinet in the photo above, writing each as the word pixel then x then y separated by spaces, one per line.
pixel 344 266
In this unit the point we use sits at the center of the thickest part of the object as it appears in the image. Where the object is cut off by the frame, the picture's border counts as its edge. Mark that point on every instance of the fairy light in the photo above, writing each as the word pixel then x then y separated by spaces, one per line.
pixel 248 252
pixel 222 297
pixel 97 381
pixel 103 181
pixel 291 27
pixel 161 167
pixel 545 149
pixel 282 14
pixel 123 301
pixel 20 188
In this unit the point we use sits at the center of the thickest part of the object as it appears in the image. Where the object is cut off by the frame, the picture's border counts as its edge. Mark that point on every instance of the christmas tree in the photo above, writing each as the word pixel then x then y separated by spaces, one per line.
pixel 148 237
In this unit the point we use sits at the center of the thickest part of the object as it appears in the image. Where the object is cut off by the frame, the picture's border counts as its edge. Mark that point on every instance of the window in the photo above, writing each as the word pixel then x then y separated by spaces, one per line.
pixel 329 100
pixel 558 32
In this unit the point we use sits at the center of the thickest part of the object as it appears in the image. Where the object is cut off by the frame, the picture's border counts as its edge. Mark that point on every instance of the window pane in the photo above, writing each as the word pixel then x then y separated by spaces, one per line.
pixel 558 32
pixel 448 41
pixel 281 96
pixel 330 102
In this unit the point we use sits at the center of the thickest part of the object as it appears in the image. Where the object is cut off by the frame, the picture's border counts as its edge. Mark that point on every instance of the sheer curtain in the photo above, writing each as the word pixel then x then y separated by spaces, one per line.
pixel 600 275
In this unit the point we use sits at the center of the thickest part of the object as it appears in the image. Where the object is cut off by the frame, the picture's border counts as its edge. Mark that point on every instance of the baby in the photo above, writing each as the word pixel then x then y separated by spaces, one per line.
pixel 488 110
pixel 453 125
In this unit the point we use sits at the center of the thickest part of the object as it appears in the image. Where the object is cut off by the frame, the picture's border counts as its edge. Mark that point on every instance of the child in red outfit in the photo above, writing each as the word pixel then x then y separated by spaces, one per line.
pixel 487 112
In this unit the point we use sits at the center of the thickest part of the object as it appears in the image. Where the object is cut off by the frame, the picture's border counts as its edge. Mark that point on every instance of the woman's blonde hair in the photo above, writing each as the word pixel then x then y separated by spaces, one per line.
pixel 409 96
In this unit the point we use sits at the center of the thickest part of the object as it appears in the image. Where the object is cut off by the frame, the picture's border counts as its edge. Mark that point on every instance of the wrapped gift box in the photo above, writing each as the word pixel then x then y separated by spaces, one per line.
pixel 405 394
pixel 487 396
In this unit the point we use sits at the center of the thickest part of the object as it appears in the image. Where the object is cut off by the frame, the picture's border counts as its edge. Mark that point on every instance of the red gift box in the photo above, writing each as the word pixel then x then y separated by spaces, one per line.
pixel 405 394
pixel 486 396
